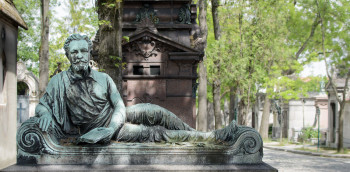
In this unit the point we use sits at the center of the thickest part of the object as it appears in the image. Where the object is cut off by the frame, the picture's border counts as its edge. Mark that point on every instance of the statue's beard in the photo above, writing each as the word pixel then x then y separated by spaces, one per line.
pixel 80 66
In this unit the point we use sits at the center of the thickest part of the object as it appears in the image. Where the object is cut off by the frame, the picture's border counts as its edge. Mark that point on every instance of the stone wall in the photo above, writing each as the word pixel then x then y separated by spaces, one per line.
pixel 300 115
pixel 346 131
pixel 8 102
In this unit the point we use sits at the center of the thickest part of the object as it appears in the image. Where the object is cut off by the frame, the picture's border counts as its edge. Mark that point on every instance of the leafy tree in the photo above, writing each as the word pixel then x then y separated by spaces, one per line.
pixel 216 80
pixel 29 40
pixel 335 41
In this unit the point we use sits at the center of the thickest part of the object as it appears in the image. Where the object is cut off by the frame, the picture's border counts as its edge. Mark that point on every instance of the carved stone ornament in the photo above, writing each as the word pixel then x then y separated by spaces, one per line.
pixel 185 14
pixel 145 47
pixel 147 13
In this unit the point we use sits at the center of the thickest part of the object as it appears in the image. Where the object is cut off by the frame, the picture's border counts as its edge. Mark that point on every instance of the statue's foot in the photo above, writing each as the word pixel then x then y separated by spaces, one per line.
pixel 226 134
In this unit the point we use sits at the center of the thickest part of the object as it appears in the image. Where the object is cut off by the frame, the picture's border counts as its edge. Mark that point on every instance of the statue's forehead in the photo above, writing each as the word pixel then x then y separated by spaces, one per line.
pixel 78 44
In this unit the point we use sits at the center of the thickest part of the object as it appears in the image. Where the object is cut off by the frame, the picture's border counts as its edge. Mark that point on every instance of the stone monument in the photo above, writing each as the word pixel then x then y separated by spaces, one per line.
pixel 82 119
pixel 10 22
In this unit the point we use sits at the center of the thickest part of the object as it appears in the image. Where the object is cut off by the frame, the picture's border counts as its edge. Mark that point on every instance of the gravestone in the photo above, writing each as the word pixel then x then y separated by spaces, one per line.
pixel 22 109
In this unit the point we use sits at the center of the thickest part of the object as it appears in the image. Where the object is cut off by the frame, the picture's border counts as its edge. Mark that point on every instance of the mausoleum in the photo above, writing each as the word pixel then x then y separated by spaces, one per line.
pixel 161 65
pixel 10 21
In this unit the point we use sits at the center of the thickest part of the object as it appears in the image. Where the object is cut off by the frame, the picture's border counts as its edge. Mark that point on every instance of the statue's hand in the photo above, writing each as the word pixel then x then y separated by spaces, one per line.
pixel 96 135
pixel 45 121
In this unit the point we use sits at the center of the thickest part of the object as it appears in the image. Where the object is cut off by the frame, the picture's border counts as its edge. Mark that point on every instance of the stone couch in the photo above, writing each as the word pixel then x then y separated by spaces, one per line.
pixel 37 147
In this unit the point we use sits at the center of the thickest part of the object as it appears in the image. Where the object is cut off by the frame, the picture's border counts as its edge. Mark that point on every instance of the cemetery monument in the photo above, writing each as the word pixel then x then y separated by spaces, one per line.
pixel 82 111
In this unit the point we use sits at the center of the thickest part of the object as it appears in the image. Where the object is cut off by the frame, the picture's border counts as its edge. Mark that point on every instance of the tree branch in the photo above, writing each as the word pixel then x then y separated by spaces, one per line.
pixel 314 26
pixel 224 93
pixel 334 87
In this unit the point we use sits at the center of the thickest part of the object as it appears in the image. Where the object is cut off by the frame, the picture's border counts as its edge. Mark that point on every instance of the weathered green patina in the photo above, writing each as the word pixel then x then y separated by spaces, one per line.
pixel 185 14
pixel 83 106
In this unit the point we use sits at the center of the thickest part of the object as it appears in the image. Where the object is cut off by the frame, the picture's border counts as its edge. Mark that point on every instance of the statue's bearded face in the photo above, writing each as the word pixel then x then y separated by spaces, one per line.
pixel 79 55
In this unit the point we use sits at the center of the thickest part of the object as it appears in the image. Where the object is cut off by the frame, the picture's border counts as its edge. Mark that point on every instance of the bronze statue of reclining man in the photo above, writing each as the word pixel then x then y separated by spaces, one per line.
pixel 86 104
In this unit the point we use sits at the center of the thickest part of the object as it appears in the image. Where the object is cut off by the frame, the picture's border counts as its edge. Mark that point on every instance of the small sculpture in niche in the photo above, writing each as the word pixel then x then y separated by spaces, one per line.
pixel 185 14
pixel 85 105
pixel 147 13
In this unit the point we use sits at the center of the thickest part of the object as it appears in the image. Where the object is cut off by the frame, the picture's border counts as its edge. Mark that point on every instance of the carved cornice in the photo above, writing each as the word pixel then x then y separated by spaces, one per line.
pixel 165 41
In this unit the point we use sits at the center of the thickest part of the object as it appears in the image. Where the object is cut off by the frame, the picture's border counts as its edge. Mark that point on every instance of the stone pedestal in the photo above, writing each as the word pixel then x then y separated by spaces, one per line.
pixel 39 148
pixel 262 167
pixel 144 154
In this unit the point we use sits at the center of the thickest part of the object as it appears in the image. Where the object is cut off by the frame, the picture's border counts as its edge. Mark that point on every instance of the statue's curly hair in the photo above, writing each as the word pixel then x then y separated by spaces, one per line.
pixel 76 37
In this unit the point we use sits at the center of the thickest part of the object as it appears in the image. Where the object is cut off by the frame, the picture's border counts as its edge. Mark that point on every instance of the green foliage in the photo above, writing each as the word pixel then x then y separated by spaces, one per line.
pixel 258 48
pixel 336 19
pixel 29 40
pixel 81 17
pixel 126 38
pixel 117 60
pixel 308 133
pixel 105 22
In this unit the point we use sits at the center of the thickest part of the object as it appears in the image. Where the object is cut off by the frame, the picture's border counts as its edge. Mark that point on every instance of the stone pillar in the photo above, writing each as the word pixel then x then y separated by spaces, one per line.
pixel 332 132
pixel 322 103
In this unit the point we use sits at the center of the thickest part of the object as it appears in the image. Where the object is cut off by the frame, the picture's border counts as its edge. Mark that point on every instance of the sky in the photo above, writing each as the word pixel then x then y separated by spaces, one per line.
pixel 314 69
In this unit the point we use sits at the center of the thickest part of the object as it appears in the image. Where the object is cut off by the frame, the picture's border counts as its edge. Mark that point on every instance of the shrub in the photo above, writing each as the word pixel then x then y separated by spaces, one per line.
pixel 308 133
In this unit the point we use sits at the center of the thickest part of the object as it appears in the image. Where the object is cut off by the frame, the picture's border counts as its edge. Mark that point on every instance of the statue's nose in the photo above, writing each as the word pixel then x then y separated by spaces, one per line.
pixel 79 55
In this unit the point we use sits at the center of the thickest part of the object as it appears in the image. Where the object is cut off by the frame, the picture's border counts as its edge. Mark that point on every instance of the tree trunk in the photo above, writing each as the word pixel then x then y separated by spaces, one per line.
pixel 340 147
pixel 216 82
pixel 216 22
pixel 226 112
pixel 255 113
pixel 216 101
pixel 264 126
pixel 241 113
pixel 211 119
pixel 233 103
pixel 202 87
pixel 110 46
pixel 44 47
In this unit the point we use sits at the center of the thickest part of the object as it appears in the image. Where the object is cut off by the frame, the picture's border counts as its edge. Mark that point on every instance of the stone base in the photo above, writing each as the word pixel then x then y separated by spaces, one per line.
pixel 262 167
pixel 143 154
pixel 39 148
